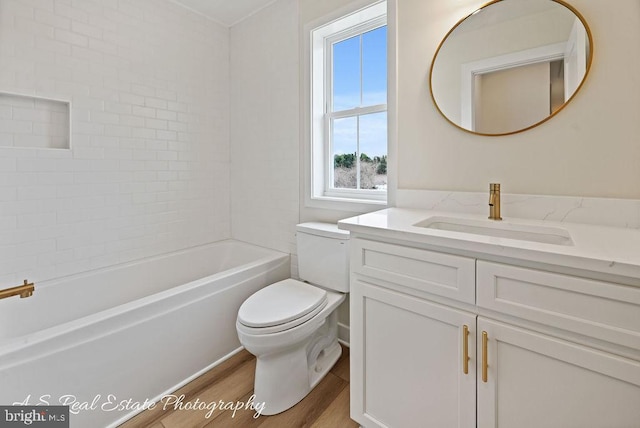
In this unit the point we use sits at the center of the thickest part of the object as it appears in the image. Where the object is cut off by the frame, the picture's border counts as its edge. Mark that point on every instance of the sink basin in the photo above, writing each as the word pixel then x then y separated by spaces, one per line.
pixel 499 229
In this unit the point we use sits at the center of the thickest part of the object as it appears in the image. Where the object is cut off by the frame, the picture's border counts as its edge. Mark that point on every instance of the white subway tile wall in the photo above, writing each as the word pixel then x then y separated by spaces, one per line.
pixel 33 122
pixel 148 171
pixel 265 134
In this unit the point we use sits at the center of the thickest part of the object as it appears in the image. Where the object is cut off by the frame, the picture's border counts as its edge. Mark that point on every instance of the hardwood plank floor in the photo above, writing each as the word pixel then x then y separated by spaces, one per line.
pixel 327 406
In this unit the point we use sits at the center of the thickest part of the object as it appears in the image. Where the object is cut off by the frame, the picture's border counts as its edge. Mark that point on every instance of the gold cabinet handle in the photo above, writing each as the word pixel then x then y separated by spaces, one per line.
pixel 485 363
pixel 465 349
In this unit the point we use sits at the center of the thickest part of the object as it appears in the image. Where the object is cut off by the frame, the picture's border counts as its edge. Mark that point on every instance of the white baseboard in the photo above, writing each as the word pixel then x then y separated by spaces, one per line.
pixel 344 334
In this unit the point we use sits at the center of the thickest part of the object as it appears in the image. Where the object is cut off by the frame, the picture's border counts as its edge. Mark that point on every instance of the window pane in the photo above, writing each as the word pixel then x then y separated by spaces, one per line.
pixel 373 151
pixel 344 151
pixel 374 67
pixel 346 74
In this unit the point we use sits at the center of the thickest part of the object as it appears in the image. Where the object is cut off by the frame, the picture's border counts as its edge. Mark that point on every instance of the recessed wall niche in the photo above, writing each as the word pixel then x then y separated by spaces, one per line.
pixel 33 122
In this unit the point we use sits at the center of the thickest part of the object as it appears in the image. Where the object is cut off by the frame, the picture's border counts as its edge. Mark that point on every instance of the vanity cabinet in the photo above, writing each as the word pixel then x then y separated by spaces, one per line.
pixel 425 352
pixel 403 361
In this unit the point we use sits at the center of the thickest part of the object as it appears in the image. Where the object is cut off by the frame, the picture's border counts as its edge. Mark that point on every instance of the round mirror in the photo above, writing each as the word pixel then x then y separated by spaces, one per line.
pixel 511 65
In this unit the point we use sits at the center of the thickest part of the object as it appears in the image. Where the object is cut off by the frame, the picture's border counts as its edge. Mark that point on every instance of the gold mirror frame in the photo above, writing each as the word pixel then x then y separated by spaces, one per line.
pixel 493 2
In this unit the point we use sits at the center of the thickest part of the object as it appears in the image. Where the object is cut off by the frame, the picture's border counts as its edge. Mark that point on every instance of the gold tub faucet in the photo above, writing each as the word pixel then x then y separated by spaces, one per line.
pixel 494 201
pixel 24 290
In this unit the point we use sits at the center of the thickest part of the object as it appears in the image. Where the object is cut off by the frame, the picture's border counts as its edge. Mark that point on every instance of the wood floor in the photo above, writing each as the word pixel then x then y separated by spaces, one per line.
pixel 327 406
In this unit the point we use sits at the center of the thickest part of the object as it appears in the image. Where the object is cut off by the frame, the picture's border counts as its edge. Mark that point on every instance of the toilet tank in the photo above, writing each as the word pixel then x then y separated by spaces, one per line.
pixel 323 255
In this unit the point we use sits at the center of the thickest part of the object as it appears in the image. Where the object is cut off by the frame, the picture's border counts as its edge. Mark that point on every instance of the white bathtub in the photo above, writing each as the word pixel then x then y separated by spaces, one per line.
pixel 136 331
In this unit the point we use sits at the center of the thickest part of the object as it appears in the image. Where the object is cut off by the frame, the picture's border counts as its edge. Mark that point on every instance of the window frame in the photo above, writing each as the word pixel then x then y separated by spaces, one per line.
pixel 330 115
pixel 320 174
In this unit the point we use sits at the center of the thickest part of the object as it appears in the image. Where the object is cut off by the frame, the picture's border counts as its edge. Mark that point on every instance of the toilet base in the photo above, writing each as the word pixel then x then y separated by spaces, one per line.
pixel 286 377
pixel 282 382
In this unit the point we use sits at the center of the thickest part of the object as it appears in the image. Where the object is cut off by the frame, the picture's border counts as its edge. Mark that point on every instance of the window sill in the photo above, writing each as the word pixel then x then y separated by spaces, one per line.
pixel 345 204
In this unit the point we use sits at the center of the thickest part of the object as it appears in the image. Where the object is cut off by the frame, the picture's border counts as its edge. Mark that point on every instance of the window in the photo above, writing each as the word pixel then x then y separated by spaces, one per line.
pixel 349 107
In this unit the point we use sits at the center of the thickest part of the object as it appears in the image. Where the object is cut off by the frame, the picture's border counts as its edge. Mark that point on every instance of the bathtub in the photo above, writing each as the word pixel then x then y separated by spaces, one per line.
pixel 134 332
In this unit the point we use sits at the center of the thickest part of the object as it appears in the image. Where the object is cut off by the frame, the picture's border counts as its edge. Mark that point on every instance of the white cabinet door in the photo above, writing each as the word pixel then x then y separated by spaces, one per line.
pixel 407 367
pixel 534 380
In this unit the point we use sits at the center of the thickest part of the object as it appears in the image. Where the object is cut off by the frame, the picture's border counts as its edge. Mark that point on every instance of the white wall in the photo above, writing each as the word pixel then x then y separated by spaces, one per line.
pixel 589 149
pixel 149 169
pixel 264 127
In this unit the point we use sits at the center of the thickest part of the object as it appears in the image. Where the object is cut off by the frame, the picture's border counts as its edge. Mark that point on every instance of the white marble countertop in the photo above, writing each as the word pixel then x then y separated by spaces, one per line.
pixel 609 250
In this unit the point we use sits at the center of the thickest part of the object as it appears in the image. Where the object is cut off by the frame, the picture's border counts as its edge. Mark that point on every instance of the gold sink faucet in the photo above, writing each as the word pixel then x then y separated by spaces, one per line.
pixel 24 290
pixel 494 201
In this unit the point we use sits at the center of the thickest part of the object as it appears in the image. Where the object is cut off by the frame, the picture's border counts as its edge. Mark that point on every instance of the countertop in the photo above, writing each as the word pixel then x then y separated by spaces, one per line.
pixel 608 250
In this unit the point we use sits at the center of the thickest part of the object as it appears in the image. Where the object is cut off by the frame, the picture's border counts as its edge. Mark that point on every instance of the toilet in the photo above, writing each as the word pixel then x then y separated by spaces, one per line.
pixel 292 326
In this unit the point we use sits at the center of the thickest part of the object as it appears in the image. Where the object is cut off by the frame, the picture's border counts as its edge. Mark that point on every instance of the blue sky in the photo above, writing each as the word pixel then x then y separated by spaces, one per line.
pixel 348 94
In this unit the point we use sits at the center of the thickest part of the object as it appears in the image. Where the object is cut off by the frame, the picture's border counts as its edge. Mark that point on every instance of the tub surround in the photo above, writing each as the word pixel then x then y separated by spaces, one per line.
pixel 148 169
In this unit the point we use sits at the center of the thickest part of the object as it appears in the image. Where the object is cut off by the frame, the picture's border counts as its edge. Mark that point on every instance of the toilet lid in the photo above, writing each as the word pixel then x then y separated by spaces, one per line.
pixel 281 303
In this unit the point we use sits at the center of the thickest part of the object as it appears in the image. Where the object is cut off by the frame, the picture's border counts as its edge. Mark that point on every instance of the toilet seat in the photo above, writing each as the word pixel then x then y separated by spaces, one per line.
pixel 281 306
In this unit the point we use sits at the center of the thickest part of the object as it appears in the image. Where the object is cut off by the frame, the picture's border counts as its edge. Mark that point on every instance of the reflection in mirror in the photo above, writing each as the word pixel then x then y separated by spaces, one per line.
pixel 511 65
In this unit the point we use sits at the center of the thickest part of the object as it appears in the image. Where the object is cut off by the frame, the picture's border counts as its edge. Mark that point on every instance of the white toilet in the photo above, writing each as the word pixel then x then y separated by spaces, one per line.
pixel 292 326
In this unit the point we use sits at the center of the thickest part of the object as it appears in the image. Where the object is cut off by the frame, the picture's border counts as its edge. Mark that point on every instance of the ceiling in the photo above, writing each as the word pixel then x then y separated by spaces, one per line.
pixel 227 12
